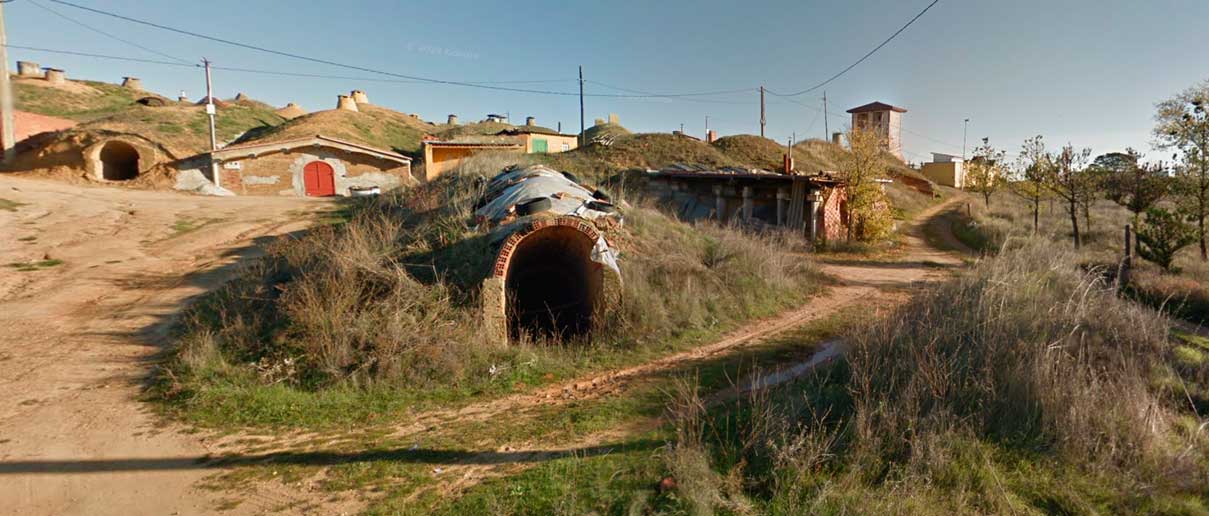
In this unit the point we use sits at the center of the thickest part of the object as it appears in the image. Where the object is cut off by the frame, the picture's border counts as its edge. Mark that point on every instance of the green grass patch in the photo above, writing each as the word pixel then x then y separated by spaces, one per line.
pixel 34 266
pixel 8 205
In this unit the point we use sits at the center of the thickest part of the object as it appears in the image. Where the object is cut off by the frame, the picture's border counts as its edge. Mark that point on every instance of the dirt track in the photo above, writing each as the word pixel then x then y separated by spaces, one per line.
pixel 76 338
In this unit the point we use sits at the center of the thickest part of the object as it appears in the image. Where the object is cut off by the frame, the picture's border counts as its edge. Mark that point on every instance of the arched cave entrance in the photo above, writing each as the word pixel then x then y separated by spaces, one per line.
pixel 119 161
pixel 552 284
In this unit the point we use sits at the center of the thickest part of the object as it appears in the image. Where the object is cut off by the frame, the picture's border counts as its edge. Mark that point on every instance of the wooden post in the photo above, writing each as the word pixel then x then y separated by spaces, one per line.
pixel 1127 262
pixel 747 203
pixel 7 132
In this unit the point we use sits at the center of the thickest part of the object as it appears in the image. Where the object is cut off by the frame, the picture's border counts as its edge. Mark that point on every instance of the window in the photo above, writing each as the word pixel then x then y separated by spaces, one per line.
pixel 566 147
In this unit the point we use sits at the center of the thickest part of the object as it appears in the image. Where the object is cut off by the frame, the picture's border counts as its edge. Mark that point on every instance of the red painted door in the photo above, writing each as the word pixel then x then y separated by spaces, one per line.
pixel 319 179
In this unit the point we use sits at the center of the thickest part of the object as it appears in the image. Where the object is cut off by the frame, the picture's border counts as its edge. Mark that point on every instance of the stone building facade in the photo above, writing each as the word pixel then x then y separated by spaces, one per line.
pixel 317 166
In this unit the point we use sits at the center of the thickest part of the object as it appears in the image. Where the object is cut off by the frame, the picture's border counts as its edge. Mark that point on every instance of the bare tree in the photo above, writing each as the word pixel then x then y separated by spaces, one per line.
pixel 1183 125
pixel 1068 179
pixel 1033 166
pixel 984 173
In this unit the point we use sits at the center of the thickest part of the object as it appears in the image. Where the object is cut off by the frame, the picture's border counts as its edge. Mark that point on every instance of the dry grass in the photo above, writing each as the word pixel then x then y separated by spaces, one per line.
pixel 1026 385
pixel 390 299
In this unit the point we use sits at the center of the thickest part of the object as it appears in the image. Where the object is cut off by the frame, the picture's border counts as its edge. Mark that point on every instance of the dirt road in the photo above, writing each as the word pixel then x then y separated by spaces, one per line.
pixel 95 276
pixel 89 279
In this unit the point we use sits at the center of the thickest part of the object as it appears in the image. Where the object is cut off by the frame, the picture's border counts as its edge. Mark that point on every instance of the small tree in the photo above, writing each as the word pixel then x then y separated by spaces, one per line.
pixel 1183 124
pixel 1033 167
pixel 1068 179
pixel 1162 235
pixel 985 173
pixel 1134 185
pixel 867 208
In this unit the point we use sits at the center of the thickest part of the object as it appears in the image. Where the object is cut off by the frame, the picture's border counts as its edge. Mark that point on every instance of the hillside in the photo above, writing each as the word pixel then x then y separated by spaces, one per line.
pixel 82 101
pixel 372 125
pixel 605 130
pixel 648 150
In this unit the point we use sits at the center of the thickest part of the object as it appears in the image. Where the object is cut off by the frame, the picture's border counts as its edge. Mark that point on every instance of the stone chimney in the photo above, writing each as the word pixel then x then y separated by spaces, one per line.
pixel 359 97
pixel 837 138
pixel 56 76
pixel 346 103
pixel 240 96
pixel 132 83
pixel 182 97
pixel 452 120
pixel 530 121
pixel 613 119
pixel 599 122
pixel 711 136
pixel 28 69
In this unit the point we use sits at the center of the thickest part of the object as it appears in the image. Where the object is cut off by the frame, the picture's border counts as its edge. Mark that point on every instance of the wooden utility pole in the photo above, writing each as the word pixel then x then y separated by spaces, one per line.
pixel 581 106
pixel 211 110
pixel 826 126
pixel 763 120
pixel 7 135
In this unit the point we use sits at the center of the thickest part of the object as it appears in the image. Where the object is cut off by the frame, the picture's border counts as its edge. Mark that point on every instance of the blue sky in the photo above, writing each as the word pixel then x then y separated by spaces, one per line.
pixel 1086 72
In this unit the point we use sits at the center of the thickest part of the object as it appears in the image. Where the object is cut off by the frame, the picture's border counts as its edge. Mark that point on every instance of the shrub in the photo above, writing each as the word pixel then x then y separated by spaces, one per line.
pixel 1162 235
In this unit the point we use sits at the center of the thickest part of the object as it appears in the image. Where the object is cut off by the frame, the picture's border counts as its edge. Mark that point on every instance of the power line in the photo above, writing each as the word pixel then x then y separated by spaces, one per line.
pixel 480 85
pixel 100 56
pixel 103 33
pixel 689 97
pixel 863 58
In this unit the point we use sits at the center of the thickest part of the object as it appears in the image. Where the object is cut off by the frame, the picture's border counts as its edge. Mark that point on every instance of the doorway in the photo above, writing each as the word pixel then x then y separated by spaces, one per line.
pixel 319 179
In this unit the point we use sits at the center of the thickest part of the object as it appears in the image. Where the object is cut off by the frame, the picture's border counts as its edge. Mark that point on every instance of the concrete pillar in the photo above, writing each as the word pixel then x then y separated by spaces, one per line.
pixel 719 204
pixel 813 199
pixel 747 203
pixel 132 83
pixel 452 120
pixel 359 97
pixel 28 69
pixel 56 76
pixel 346 103
pixel 782 203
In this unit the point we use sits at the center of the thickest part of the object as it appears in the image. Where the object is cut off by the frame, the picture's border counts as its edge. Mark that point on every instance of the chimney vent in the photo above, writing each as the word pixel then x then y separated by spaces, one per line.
pixel 346 103
pixel 452 120
pixel 711 136
pixel 530 121
pixel 28 69
pixel 56 76
pixel 613 119
pixel 132 83
pixel 837 138
pixel 359 97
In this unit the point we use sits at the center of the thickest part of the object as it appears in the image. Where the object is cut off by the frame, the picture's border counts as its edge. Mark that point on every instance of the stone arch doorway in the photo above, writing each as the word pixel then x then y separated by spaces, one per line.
pixel 319 179
pixel 119 161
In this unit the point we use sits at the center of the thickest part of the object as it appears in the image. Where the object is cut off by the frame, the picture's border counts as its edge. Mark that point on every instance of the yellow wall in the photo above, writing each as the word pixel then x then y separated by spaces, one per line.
pixel 439 159
pixel 554 143
pixel 946 174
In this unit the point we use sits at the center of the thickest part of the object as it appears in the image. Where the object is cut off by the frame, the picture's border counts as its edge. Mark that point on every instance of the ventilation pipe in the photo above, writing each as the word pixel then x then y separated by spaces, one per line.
pixel 56 76
pixel 530 121
pixel 359 97
pixel 346 103
pixel 452 120
pixel 28 69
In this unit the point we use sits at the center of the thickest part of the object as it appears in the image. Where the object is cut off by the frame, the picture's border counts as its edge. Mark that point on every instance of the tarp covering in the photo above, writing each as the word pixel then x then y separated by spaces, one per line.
pixel 519 186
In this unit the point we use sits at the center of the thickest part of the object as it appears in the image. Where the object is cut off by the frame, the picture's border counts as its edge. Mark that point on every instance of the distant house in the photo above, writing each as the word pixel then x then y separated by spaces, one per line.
pixel 315 166
pixel 885 120
pixel 442 156
pixel 945 169
pixel 541 140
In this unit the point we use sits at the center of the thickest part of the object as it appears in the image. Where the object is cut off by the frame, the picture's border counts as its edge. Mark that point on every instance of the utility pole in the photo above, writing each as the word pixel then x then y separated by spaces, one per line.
pixel 763 120
pixel 707 125
pixel 210 112
pixel 965 130
pixel 826 126
pixel 681 128
pixel 7 138
pixel 581 106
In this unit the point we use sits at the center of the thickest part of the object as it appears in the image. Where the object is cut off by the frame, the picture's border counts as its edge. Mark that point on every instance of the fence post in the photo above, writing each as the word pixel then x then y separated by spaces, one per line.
pixel 1127 262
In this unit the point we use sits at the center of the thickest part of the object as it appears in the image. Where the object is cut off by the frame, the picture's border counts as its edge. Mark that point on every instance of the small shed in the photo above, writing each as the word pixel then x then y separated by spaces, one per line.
pixel 813 204
pixel 314 166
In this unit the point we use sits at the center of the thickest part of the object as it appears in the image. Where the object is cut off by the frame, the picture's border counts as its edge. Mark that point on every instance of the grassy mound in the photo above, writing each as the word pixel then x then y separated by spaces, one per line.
pixel 82 101
pixel 373 126
pixel 654 150
pixel 369 316
pixel 753 150
pixel 606 130
pixel 1024 386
